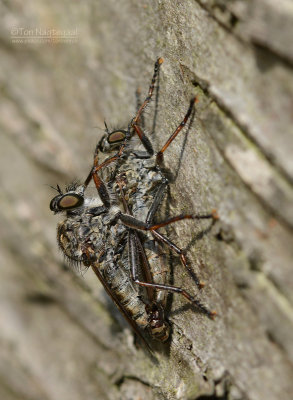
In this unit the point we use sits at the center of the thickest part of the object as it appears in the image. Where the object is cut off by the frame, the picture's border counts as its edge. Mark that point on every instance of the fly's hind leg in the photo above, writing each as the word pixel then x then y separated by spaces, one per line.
pixel 134 262
pixel 135 224
pixel 160 238
pixel 160 154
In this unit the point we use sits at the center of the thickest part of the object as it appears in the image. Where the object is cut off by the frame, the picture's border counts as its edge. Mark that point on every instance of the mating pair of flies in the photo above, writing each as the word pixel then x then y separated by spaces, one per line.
pixel 120 239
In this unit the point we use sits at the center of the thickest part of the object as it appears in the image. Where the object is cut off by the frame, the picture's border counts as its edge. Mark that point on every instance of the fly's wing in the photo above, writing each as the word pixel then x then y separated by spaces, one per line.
pixel 153 266
pixel 120 306
pixel 159 268
pixel 146 270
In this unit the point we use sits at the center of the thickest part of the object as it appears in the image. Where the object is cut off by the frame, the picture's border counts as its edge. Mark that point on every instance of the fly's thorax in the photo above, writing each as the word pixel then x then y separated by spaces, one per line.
pixel 110 171
pixel 91 202
pixel 82 236
pixel 112 215
pixel 140 178
pixel 144 196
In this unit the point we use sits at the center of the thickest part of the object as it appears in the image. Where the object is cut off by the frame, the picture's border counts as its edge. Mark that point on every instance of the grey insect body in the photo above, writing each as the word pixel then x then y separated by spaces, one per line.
pixel 94 236
pixel 119 239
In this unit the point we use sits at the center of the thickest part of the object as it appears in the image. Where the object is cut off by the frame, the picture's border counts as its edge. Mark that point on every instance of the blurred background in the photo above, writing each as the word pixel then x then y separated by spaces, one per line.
pixel 65 67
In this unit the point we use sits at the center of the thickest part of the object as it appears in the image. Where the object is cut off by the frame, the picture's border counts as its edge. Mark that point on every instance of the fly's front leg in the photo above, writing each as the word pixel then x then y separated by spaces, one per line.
pixel 99 183
pixel 156 203
pixel 134 124
pixel 158 63
pixel 213 215
pixel 144 140
pixel 163 239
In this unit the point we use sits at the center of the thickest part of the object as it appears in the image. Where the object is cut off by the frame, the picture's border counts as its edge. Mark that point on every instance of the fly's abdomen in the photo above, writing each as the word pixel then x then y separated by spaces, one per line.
pixel 146 316
pixel 125 292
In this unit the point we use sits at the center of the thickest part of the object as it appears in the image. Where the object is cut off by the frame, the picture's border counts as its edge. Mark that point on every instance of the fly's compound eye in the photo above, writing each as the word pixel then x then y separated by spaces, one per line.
pixel 112 140
pixel 65 202
pixel 69 201
pixel 116 137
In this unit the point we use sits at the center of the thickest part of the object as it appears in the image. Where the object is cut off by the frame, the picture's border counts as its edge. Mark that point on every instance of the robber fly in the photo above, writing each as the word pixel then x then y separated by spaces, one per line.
pixel 119 239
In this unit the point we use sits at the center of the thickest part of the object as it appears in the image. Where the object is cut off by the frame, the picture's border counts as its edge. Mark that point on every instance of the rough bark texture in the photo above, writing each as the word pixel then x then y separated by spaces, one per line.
pixel 60 337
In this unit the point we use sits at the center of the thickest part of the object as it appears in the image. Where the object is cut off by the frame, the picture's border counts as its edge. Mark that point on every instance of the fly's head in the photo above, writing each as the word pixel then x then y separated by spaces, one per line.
pixel 72 199
pixel 75 235
pixel 112 140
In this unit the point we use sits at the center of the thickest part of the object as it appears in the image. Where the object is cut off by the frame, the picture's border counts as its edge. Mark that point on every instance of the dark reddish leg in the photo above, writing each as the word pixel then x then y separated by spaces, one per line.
pixel 133 251
pixel 161 238
pixel 138 104
pixel 135 122
pixel 160 155
pixel 100 185
pixel 213 215
pixel 149 226
pixel 133 256
pixel 136 224
pixel 150 93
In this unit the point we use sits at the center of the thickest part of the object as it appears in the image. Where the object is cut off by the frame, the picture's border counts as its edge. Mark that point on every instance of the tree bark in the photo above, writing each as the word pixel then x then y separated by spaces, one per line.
pixel 60 337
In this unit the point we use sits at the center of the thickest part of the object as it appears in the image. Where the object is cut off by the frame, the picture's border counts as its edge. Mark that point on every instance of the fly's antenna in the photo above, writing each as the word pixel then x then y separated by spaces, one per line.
pixel 57 188
pixel 106 127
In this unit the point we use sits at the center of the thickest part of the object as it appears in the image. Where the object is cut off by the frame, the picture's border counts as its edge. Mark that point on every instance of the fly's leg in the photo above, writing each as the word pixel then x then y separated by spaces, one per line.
pixel 139 128
pixel 156 203
pixel 138 104
pixel 99 183
pixel 161 271
pixel 134 260
pixel 160 154
pixel 144 140
pixel 135 121
pixel 213 215
pixel 133 223
pixel 150 92
pixel 149 220
pixel 163 239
